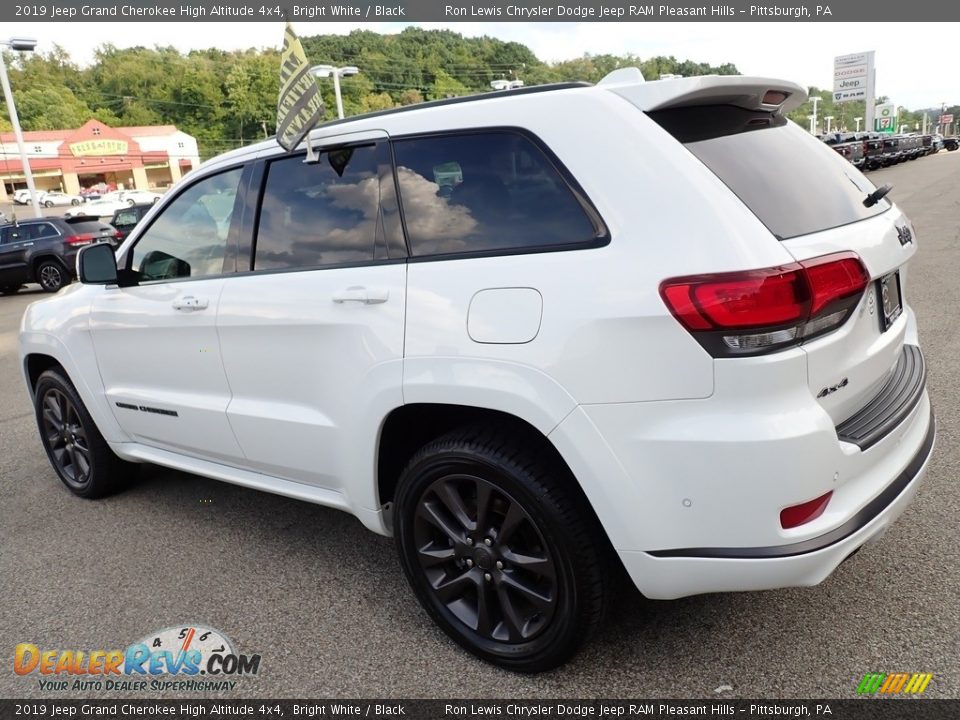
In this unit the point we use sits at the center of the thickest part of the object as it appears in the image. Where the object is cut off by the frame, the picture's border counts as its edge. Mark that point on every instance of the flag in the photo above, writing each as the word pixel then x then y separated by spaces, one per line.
pixel 299 107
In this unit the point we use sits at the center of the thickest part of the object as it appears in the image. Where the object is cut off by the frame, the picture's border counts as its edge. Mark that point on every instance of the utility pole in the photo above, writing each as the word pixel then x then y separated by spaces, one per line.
pixel 19 44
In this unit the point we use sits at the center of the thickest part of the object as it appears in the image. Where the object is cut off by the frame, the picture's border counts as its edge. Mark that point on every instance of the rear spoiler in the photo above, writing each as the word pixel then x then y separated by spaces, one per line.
pixel 750 93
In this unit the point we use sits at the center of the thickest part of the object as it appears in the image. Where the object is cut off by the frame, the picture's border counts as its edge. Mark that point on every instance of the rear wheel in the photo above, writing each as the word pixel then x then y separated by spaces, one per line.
pixel 80 456
pixel 499 550
pixel 48 204
pixel 75 202
pixel 51 275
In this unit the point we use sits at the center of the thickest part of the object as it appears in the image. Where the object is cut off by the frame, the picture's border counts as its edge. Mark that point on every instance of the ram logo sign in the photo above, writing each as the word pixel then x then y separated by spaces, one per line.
pixel 894 683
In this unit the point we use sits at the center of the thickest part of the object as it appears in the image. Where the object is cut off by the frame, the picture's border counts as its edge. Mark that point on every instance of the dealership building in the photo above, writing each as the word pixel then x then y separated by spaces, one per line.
pixel 144 158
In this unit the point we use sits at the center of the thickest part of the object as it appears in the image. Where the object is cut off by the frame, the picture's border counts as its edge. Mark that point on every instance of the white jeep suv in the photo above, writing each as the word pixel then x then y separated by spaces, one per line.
pixel 538 336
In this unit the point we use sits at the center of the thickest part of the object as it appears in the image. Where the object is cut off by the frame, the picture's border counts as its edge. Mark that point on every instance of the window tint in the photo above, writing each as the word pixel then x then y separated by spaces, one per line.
pixel 190 237
pixel 789 179
pixel 486 192
pixel 341 209
pixel 43 230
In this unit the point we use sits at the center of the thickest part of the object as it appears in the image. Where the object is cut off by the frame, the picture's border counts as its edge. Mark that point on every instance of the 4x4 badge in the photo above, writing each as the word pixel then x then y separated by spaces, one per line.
pixel 903 232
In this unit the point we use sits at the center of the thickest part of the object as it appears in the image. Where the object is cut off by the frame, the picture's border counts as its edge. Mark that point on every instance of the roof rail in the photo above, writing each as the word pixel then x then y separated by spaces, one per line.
pixel 529 90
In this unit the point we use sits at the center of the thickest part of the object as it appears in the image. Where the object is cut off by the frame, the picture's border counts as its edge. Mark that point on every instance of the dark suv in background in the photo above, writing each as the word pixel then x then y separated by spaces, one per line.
pixel 44 250
pixel 126 220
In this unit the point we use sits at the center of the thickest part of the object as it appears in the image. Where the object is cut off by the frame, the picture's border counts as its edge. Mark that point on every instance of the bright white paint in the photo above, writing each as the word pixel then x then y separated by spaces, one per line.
pixel 672 448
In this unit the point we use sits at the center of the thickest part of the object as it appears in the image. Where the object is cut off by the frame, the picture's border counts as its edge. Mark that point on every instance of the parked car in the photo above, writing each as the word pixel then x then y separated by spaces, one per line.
pixel 951 143
pixel 21 197
pixel 133 197
pixel 51 198
pixel 126 219
pixel 872 149
pixel 553 373
pixel 109 203
pixel 847 146
pixel 44 250
pixel 892 152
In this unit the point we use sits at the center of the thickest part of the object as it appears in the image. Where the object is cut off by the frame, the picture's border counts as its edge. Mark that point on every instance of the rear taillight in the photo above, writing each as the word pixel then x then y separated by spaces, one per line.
pixel 81 239
pixel 759 311
pixel 809 511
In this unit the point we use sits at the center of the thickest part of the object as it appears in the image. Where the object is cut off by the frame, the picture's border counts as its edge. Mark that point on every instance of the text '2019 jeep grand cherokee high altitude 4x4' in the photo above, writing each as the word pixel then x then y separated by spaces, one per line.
pixel 534 335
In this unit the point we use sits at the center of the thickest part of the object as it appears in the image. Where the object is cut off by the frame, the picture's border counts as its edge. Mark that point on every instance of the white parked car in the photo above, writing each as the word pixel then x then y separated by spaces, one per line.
pixel 22 196
pixel 109 203
pixel 648 326
pixel 51 198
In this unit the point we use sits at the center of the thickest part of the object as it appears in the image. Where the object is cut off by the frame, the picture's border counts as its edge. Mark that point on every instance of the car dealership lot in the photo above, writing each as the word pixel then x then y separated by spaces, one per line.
pixel 322 601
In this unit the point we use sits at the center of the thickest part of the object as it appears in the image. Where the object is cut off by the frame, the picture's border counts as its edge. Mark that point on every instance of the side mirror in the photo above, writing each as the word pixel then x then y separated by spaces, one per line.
pixel 97 265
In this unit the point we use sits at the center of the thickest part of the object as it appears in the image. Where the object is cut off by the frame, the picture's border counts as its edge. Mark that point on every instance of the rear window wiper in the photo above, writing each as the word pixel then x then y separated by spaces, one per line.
pixel 877 195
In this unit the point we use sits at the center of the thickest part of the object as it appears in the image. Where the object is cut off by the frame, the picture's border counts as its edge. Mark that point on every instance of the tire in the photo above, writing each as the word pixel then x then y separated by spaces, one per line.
pixel 131 202
pixel 75 202
pixel 539 610
pixel 52 275
pixel 10 289
pixel 77 451
pixel 48 204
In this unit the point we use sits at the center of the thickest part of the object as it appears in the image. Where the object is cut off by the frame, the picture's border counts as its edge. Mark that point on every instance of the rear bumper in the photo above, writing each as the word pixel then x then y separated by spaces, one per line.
pixel 800 564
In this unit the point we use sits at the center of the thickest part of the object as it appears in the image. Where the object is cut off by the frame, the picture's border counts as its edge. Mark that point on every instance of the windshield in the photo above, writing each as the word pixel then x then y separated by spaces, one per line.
pixel 788 178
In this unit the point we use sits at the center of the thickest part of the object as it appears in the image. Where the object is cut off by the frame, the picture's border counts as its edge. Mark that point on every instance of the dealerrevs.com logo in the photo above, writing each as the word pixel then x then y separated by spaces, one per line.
pixel 188 657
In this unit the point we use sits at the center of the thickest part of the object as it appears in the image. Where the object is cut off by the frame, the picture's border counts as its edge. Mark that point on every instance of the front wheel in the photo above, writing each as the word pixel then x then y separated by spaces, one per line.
pixel 75 202
pixel 51 275
pixel 48 204
pixel 131 202
pixel 500 550
pixel 80 456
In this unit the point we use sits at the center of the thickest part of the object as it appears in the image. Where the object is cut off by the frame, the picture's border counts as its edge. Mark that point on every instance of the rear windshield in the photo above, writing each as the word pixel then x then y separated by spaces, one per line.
pixel 87 226
pixel 789 179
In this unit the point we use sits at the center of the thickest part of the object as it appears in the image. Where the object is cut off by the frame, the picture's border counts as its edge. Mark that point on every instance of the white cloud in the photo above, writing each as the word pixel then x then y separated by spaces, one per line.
pixel 912 61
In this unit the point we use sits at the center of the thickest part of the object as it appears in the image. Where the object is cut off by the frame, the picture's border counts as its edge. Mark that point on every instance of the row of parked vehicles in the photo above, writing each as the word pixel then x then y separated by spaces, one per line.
pixel 869 151
pixel 44 250
pixel 57 198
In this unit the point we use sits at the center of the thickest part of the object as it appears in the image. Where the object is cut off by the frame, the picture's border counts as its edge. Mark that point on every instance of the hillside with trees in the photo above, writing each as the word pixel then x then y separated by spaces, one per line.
pixel 228 99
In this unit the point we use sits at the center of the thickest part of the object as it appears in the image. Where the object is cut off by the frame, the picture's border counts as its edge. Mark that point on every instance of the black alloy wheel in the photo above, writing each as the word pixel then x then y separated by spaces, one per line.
pixel 485 558
pixel 77 451
pixel 501 548
pixel 65 439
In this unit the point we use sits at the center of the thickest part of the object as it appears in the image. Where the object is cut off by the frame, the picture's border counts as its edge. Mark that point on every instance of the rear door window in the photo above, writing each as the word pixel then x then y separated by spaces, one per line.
pixel 339 210
pixel 788 178
pixel 490 191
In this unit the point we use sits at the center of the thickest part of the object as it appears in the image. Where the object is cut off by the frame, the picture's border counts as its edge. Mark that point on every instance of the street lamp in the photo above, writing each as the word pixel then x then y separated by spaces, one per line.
pixel 858 123
pixel 18 44
pixel 828 118
pixel 323 71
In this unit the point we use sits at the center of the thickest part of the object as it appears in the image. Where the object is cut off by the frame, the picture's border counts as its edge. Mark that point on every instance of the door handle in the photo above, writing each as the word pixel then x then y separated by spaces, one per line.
pixel 367 296
pixel 190 303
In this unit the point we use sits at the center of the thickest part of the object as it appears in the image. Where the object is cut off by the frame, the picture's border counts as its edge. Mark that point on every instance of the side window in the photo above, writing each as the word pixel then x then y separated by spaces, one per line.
pixel 329 212
pixel 488 191
pixel 126 217
pixel 6 234
pixel 190 237
pixel 44 230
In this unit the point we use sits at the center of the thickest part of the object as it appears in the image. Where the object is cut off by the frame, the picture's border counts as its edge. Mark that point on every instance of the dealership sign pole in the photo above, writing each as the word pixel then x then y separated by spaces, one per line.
pixel 854 78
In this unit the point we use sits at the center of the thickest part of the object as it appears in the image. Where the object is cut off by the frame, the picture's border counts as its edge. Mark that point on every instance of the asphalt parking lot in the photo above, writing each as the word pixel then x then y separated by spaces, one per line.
pixel 324 601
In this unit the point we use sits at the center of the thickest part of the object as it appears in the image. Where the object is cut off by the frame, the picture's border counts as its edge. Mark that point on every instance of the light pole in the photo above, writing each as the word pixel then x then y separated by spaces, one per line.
pixel 813 118
pixel 828 118
pixel 323 71
pixel 858 123
pixel 20 44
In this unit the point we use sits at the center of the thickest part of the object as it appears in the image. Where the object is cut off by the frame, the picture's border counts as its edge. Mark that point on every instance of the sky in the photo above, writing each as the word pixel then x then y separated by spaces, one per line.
pixel 916 62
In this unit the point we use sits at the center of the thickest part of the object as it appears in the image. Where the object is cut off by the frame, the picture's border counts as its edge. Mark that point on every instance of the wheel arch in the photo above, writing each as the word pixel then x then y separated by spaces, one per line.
pixel 409 427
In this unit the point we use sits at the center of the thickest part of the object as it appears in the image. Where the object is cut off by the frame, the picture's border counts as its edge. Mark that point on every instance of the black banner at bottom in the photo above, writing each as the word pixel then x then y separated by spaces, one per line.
pixel 860 709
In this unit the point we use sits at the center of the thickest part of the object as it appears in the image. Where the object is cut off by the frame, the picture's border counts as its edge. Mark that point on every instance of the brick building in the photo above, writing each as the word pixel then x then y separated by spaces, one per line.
pixel 133 157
